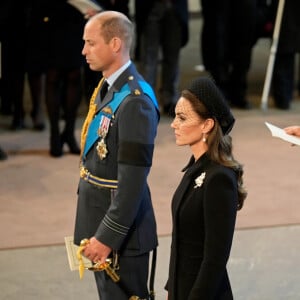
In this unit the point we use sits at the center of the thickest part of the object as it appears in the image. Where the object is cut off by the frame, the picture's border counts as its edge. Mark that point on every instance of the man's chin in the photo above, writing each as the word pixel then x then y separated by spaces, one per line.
pixel 91 65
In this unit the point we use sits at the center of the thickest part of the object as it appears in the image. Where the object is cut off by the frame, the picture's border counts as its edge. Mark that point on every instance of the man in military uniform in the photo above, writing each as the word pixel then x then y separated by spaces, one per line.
pixel 114 209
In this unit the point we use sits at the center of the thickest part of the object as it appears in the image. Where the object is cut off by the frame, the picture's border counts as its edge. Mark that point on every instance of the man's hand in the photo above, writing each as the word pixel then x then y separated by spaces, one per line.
pixel 96 251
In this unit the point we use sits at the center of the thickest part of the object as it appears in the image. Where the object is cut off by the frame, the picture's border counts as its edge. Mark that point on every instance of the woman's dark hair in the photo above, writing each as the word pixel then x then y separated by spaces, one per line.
pixel 219 145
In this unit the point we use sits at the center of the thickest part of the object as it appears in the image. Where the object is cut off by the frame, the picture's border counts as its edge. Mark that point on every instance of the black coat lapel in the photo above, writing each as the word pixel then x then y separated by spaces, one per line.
pixel 190 170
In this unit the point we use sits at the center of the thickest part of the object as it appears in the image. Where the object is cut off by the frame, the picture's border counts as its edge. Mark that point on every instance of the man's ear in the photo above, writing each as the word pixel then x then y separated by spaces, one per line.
pixel 116 44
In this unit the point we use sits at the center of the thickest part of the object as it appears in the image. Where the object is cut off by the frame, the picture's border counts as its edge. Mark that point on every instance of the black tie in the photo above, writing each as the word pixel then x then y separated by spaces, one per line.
pixel 103 89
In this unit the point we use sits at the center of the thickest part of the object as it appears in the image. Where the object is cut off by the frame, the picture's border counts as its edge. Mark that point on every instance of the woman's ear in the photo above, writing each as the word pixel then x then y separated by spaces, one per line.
pixel 208 125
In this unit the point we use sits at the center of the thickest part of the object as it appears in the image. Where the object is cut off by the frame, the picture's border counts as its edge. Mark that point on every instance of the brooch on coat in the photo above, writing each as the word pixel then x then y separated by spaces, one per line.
pixel 199 180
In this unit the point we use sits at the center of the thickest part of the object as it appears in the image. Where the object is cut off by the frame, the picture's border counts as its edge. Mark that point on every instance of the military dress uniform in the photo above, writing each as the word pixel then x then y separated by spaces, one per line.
pixel 116 207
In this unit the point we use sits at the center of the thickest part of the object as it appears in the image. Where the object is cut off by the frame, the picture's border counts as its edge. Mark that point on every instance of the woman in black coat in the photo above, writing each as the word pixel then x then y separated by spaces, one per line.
pixel 205 203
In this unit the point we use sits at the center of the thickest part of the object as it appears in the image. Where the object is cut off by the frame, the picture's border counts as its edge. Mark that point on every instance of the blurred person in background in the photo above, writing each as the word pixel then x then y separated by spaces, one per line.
pixel 226 45
pixel 162 31
pixel 13 57
pixel 283 81
pixel 54 51
pixel 3 154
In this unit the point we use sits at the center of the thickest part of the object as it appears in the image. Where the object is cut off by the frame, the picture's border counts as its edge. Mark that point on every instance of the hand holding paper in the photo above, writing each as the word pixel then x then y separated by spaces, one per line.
pixel 293 130
pixel 280 133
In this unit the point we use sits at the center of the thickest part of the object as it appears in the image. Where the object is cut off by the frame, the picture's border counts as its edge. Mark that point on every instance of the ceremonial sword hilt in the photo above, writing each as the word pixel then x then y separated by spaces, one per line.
pixel 97 266
pixel 107 268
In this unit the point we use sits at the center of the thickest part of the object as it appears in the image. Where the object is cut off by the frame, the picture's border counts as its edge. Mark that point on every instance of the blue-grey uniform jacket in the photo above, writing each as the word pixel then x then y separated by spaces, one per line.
pixel 122 218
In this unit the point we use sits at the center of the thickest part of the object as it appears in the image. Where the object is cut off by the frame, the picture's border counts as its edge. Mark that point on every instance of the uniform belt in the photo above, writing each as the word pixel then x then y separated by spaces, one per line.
pixel 106 183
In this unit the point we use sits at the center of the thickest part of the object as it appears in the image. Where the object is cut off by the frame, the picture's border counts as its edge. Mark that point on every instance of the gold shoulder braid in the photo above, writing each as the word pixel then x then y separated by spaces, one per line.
pixel 89 117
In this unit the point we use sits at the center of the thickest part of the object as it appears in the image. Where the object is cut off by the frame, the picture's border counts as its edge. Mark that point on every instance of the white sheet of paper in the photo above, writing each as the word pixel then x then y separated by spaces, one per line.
pixel 72 255
pixel 280 133
pixel 84 5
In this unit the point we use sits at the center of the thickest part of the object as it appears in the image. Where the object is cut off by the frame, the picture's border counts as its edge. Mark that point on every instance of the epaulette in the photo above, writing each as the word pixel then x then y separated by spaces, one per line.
pixel 141 87
pixel 134 86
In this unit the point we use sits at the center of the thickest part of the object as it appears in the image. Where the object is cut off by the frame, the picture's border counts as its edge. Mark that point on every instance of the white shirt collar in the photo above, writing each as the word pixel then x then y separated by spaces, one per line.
pixel 112 78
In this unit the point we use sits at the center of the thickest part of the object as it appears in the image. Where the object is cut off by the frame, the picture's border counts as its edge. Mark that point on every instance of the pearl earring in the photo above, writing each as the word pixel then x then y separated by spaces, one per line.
pixel 204 139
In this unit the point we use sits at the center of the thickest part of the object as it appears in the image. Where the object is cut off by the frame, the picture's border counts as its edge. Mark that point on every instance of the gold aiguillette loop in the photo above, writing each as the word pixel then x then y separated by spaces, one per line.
pixel 81 268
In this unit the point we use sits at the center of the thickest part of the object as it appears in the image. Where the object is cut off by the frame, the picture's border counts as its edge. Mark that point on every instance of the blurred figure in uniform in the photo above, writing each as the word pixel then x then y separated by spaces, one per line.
pixel 162 27
pixel 3 155
pixel 226 44
pixel 13 52
pixel 283 82
pixel 54 50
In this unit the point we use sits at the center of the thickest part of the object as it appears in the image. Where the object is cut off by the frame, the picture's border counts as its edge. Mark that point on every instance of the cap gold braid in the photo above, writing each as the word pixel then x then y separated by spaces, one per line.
pixel 89 117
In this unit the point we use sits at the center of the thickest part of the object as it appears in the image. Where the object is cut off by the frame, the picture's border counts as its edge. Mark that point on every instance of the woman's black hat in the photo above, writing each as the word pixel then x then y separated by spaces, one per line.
pixel 205 89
